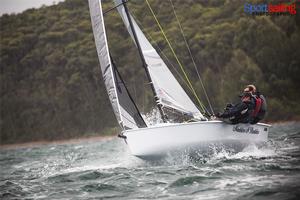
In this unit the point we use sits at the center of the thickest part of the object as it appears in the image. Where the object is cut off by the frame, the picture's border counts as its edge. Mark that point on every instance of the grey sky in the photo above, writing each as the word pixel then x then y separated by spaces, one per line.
pixel 17 6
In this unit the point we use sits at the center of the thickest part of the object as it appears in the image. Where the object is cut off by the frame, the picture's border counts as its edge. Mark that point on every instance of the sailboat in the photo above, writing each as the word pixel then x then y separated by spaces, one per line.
pixel 150 141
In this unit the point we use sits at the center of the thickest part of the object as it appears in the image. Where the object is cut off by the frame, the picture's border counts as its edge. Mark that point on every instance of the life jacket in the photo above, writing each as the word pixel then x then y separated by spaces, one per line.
pixel 258 105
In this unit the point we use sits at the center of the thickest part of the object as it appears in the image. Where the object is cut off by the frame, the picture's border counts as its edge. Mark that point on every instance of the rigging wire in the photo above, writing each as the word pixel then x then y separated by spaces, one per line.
pixel 179 63
pixel 192 57
pixel 165 56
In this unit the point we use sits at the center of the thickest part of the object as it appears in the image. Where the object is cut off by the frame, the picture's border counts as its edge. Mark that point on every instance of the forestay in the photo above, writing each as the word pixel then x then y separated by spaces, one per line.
pixel 169 91
pixel 124 108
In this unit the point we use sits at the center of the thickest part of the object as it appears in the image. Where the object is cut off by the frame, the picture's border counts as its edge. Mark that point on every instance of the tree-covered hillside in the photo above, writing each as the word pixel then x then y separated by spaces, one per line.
pixel 51 86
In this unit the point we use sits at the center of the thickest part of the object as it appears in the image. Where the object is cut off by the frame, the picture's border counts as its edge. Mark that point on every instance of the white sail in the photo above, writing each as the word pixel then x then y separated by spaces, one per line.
pixel 168 90
pixel 124 108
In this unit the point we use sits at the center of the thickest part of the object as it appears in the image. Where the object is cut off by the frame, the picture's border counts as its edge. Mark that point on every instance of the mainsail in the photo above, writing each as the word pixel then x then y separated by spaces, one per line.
pixel 170 93
pixel 124 108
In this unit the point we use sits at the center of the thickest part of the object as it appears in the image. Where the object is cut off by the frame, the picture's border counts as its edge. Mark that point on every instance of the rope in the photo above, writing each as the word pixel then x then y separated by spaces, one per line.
pixel 164 55
pixel 179 63
pixel 192 57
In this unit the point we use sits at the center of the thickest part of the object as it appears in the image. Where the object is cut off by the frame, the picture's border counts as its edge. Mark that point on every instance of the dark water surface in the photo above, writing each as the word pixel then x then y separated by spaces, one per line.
pixel 106 170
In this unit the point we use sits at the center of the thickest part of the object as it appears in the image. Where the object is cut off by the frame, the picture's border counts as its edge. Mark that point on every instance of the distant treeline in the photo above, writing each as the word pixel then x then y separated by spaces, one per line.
pixel 51 85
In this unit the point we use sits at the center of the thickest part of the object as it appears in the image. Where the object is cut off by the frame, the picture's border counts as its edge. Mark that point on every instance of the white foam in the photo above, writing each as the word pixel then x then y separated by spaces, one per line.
pixel 251 151
pixel 153 117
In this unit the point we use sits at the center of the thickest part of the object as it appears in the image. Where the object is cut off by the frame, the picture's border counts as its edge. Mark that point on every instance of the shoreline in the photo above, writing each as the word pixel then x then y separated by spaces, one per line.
pixel 57 142
pixel 281 122
pixel 90 139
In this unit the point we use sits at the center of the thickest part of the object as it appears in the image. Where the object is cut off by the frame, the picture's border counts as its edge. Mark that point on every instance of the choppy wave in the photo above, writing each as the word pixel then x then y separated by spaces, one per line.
pixel 105 169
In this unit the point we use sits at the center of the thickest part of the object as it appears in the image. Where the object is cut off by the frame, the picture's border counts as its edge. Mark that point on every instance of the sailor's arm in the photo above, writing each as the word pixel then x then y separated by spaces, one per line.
pixel 237 109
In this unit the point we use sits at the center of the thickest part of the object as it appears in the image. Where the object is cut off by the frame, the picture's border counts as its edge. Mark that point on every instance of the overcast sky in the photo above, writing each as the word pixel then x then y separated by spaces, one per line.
pixel 17 6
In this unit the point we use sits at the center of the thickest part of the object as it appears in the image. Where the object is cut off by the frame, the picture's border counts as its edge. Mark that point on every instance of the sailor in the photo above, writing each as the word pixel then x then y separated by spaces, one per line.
pixel 260 108
pixel 241 112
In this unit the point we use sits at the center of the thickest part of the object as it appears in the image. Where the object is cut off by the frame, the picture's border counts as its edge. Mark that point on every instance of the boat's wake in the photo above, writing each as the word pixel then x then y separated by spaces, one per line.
pixel 216 153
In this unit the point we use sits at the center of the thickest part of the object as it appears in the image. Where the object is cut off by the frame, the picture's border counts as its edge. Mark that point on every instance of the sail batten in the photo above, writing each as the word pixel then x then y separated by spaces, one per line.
pixel 124 108
pixel 169 91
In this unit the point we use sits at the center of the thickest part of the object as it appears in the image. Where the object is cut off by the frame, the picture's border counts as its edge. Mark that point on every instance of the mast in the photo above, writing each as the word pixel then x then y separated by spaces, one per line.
pixel 139 119
pixel 123 106
pixel 159 106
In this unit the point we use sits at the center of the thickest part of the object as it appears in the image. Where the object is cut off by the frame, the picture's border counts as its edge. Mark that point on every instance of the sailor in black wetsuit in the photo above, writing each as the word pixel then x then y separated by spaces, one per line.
pixel 241 112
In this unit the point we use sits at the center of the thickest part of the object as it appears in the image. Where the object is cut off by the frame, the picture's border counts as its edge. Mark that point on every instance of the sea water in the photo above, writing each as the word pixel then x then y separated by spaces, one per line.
pixel 106 170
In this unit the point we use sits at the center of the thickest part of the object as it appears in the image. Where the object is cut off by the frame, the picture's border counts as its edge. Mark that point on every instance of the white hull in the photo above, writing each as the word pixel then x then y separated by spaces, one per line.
pixel 160 140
